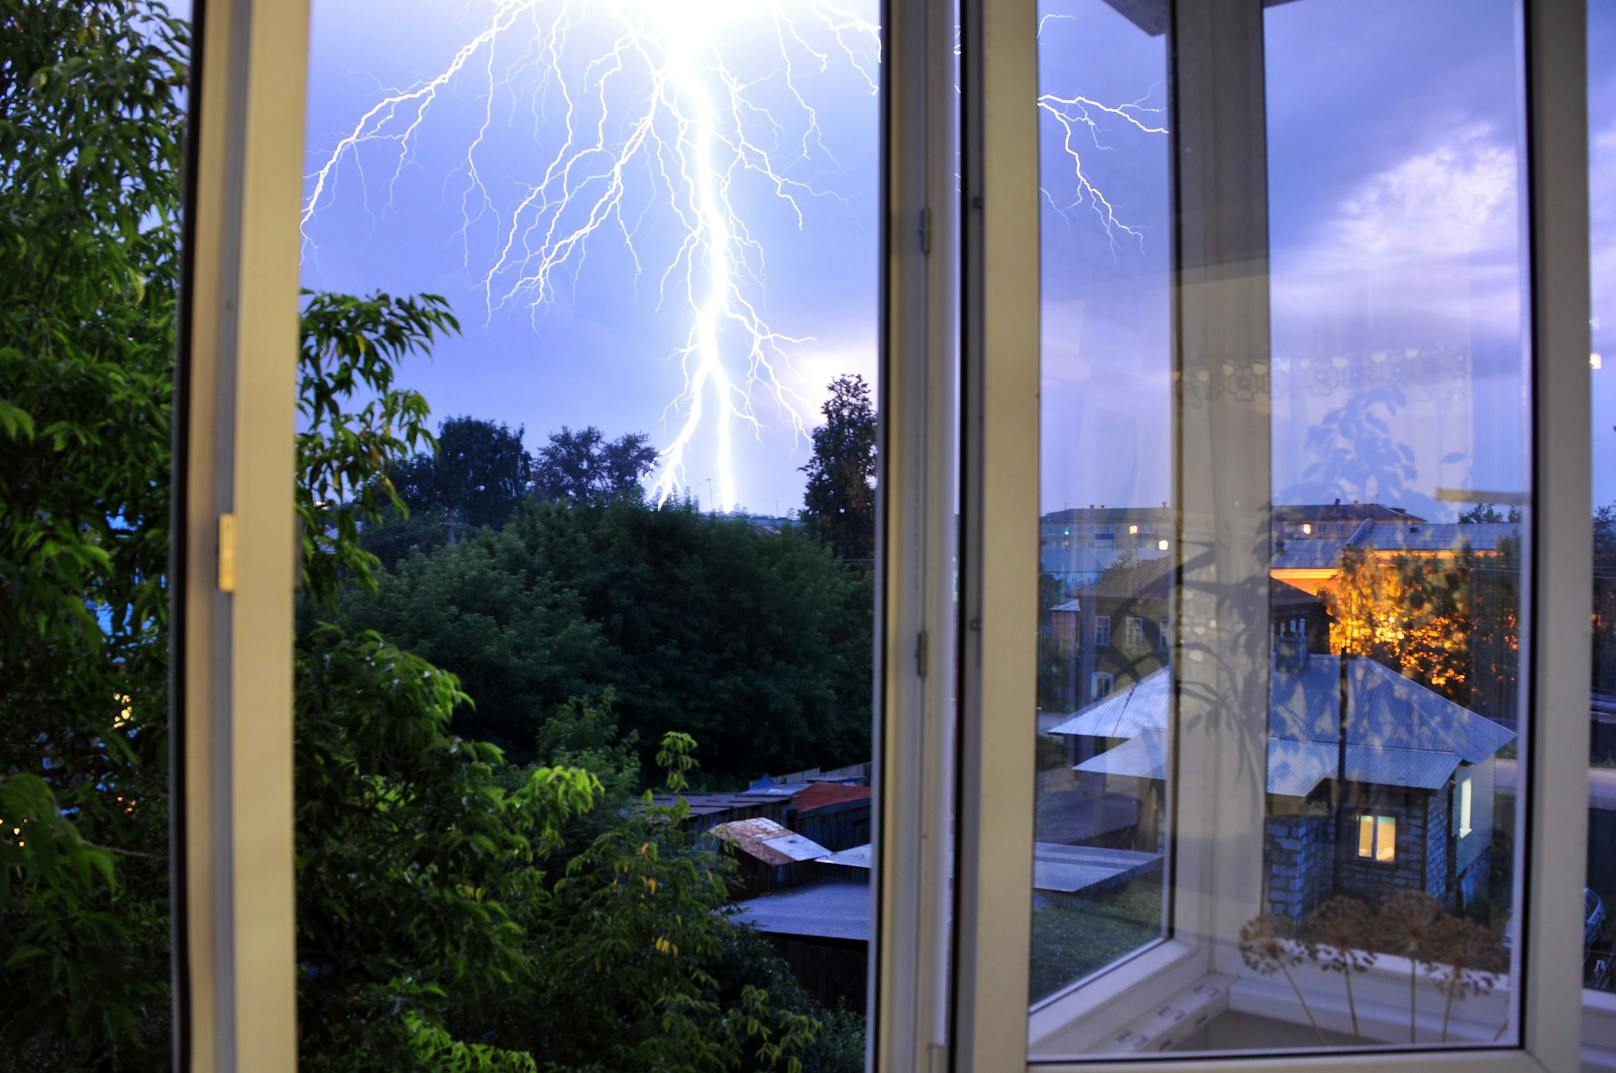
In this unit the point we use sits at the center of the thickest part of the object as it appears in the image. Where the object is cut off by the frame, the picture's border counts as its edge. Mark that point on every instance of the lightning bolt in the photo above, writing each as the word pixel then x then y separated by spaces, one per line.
pixel 657 114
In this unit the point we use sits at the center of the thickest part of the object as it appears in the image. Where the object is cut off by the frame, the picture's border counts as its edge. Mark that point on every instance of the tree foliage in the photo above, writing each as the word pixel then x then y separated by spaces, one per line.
pixel 1451 622
pixel 476 477
pixel 584 466
pixel 446 897
pixel 756 643
pixel 90 98
pixel 839 501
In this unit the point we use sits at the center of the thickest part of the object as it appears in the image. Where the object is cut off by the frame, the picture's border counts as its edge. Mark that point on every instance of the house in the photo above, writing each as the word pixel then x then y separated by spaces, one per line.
pixel 1078 544
pixel 1118 629
pixel 1308 542
pixel 1413 769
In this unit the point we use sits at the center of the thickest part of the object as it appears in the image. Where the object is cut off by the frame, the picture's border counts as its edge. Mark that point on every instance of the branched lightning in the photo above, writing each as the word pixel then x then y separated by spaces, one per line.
pixel 641 117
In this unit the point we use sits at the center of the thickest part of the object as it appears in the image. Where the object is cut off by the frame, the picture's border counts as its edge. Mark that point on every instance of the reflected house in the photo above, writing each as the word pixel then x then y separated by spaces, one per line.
pixel 1397 778
pixel 1078 544
pixel 1309 541
pixel 1118 629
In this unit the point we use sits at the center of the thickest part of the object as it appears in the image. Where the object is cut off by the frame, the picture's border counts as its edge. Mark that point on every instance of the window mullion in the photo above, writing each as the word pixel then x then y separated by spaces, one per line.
pixel 999 507
pixel 1223 482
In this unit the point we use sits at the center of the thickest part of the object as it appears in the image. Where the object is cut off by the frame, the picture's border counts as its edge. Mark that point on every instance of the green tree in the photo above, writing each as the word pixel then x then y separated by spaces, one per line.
pixel 90 124
pixel 433 921
pixel 1605 599
pixel 584 466
pixel 1450 623
pixel 757 643
pixel 477 475
pixel 839 501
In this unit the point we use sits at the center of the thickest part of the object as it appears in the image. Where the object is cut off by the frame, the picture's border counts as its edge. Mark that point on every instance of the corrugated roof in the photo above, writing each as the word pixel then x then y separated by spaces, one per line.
pixel 856 857
pixel 1339 512
pixel 820 910
pixel 1125 713
pixel 1398 732
pixel 820 795
pixel 1441 536
pixel 1057 867
pixel 707 804
pixel 1070 869
pixel 1295 768
pixel 768 842
pixel 1307 555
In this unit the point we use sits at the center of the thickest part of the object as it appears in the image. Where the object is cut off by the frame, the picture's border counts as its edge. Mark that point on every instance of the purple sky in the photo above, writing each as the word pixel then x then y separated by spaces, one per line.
pixel 1394 134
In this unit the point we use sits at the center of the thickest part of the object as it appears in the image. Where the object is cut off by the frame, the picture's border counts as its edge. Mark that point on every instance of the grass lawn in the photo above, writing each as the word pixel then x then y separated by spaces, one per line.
pixel 1076 934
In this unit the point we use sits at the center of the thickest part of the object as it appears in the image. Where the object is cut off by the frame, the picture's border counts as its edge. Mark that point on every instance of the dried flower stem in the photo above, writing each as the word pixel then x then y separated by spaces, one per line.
pixel 1305 1007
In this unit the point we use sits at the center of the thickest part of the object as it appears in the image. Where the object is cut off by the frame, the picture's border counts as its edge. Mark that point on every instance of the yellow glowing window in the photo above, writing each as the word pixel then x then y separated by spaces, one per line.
pixel 1377 838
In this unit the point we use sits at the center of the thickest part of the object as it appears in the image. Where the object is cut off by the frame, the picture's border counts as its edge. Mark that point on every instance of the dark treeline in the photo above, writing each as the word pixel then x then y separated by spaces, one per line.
pixel 754 640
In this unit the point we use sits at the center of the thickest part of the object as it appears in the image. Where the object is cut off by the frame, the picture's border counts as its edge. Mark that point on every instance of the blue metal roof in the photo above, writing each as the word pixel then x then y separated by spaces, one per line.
pixel 1398 733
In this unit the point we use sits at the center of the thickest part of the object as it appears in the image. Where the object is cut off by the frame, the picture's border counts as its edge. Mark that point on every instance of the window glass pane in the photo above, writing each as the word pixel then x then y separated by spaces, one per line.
pixel 1400 438
pixel 642 544
pixel 1385 838
pixel 1101 835
pixel 1383 686
pixel 93 110
pixel 1599 963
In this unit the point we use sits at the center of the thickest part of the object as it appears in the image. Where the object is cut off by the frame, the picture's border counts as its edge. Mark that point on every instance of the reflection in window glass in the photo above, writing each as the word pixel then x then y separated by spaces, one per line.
pixel 1375 722
pixel 1599 963
pixel 92 110
pixel 642 544
pixel 1400 472
pixel 1101 838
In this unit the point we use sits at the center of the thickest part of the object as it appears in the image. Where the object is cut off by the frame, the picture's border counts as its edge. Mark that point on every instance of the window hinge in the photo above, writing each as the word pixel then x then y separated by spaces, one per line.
pixel 924 230
pixel 227 553
pixel 920 653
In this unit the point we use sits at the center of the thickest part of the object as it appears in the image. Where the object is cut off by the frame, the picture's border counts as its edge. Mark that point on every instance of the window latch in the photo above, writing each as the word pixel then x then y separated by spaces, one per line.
pixel 227 553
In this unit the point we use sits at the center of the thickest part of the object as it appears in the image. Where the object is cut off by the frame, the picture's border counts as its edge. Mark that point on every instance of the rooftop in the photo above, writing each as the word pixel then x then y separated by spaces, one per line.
pixel 1399 733
pixel 767 841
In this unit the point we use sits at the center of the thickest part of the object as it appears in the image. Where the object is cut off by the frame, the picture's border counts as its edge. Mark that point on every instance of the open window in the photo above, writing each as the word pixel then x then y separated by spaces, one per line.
pixel 1328 337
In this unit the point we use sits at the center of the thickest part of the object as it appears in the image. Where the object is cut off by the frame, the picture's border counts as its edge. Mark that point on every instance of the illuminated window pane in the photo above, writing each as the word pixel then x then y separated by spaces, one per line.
pixel 1385 838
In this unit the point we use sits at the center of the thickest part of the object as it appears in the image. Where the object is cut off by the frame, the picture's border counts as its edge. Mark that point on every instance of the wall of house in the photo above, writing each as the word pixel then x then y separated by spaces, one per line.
pixel 1480 838
pixel 1422 846
pixel 1296 860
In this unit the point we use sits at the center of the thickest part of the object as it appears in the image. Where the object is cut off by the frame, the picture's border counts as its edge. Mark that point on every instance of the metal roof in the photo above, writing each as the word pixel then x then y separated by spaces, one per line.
pixel 1123 714
pixel 820 910
pixel 1441 536
pixel 821 795
pixel 768 842
pixel 1295 768
pixel 1070 869
pixel 708 804
pixel 1398 733
pixel 856 857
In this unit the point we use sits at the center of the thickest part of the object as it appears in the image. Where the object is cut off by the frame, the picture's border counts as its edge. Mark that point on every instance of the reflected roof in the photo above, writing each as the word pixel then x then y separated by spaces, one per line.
pixel 1399 733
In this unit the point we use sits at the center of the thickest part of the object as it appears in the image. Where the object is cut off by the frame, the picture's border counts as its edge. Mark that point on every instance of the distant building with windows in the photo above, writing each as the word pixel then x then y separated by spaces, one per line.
pixel 1118 628
pixel 1078 544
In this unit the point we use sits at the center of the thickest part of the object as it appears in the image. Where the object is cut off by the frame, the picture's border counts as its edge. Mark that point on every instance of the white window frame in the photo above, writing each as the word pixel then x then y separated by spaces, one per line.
pixel 1134 631
pixel 953 923
pixel 235 542
pixel 1098 679
pixel 1102 630
pixel 1222 305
